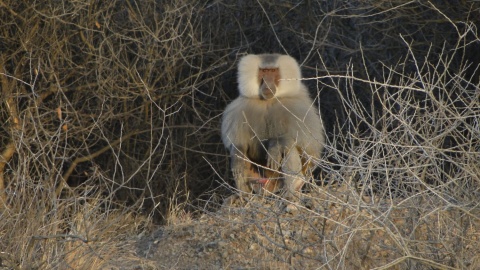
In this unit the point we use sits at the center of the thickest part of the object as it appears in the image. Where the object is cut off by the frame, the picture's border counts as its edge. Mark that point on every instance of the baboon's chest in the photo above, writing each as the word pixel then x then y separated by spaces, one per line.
pixel 267 122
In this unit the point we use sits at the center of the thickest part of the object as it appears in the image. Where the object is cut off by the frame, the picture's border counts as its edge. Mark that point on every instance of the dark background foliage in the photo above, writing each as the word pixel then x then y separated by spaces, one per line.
pixel 124 98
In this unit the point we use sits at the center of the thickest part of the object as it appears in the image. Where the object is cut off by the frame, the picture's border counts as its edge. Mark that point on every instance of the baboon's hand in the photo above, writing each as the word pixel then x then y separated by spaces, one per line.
pixel 240 175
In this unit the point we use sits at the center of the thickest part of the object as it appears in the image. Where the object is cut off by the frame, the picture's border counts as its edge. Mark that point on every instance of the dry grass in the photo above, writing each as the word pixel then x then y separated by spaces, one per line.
pixel 111 110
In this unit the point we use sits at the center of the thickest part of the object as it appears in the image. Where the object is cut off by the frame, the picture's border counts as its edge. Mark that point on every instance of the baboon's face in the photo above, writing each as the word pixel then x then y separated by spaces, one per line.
pixel 268 78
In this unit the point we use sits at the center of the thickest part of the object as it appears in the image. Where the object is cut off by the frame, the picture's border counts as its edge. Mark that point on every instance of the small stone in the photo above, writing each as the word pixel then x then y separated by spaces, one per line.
pixel 308 251
pixel 253 246
pixel 291 209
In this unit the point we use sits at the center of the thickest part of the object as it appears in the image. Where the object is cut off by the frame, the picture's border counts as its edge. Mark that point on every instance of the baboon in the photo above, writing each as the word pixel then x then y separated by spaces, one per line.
pixel 273 129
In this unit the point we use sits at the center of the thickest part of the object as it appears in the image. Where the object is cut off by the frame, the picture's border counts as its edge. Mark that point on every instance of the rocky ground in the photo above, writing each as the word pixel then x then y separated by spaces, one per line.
pixel 335 229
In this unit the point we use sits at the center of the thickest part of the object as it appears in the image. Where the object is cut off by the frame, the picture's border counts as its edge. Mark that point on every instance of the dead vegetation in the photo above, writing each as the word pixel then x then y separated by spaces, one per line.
pixel 111 113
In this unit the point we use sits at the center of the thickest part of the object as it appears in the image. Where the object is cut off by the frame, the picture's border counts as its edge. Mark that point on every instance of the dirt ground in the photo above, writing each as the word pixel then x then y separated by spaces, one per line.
pixel 335 229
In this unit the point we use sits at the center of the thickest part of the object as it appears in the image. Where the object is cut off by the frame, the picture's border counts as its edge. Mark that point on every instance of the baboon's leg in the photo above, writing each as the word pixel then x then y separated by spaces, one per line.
pixel 241 170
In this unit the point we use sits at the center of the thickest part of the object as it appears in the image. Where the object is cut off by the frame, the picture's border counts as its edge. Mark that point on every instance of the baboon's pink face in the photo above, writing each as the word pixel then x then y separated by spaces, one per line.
pixel 268 79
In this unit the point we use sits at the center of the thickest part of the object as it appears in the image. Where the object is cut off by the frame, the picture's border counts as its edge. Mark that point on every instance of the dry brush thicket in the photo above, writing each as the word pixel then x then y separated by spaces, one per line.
pixel 110 116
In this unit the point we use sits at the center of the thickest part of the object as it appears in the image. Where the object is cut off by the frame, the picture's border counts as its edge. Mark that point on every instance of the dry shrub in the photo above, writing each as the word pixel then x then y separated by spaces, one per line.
pixel 415 168
pixel 98 104
pixel 111 113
